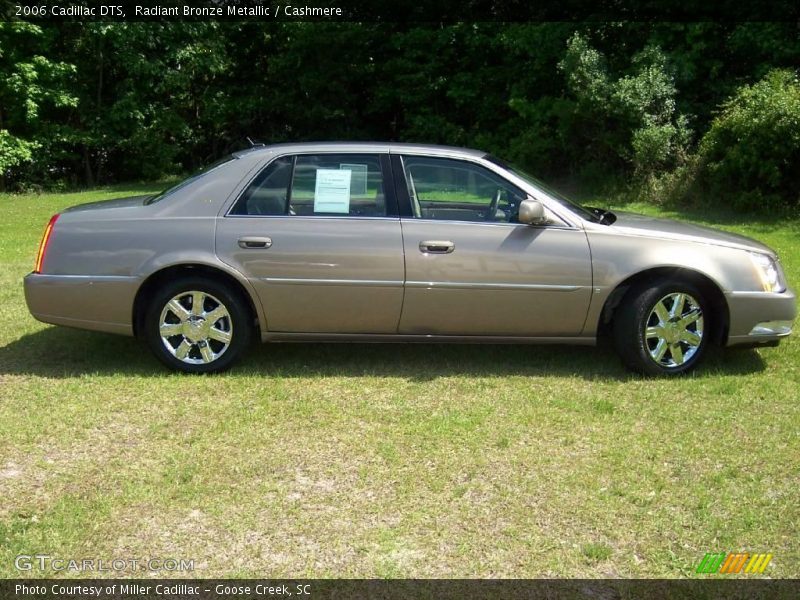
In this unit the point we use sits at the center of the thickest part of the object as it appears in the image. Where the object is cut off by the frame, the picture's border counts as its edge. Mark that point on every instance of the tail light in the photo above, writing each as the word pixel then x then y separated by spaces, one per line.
pixel 40 254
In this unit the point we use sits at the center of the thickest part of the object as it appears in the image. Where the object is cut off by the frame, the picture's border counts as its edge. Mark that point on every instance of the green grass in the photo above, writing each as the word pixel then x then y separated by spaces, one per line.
pixel 389 461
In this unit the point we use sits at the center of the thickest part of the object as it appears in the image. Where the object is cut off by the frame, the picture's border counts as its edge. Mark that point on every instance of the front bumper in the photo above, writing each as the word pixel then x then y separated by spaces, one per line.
pixel 94 302
pixel 758 318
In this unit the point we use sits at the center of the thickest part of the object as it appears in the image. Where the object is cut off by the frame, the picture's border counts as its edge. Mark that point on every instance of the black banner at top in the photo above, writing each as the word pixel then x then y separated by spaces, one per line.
pixel 401 10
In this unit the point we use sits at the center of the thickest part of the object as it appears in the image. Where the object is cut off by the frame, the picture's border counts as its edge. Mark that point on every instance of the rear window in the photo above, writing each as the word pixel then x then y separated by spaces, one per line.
pixel 316 185
pixel 199 175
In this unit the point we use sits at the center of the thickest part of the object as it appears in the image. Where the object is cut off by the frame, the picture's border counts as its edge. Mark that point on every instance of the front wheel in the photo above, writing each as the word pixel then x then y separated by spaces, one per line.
pixel 661 328
pixel 197 325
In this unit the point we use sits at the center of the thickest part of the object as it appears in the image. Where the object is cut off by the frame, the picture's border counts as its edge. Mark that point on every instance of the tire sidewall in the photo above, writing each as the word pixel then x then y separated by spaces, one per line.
pixel 237 310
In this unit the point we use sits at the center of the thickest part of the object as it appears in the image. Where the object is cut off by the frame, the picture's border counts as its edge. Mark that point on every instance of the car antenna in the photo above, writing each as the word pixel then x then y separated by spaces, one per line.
pixel 252 143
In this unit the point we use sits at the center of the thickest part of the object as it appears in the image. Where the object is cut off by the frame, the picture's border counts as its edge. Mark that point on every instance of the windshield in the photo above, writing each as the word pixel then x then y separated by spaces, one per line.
pixel 201 173
pixel 555 195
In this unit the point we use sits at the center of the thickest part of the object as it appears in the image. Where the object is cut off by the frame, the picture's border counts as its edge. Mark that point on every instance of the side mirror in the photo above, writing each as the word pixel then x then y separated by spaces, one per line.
pixel 531 212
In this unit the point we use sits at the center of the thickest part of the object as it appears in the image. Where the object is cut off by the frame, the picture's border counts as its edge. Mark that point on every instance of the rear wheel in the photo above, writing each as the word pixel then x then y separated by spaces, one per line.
pixel 197 325
pixel 662 328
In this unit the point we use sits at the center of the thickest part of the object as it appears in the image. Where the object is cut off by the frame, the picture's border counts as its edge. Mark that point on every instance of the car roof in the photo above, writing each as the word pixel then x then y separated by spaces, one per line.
pixel 390 147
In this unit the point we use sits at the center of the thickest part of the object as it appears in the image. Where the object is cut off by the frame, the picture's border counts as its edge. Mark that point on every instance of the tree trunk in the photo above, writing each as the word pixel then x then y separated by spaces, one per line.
pixel 88 165
pixel 2 172
pixel 99 103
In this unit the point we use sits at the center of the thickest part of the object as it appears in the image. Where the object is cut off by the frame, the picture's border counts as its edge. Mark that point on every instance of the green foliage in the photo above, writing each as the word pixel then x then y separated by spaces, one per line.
pixel 595 551
pixel 631 120
pixel 32 90
pixel 751 153
pixel 88 103
pixel 14 151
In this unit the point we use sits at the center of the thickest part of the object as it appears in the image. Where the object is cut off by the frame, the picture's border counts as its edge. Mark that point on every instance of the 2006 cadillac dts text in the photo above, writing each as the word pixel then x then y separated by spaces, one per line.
pixel 118 11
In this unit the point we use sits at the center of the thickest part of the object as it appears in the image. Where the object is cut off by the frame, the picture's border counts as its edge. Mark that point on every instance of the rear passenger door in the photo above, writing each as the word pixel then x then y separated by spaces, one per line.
pixel 319 238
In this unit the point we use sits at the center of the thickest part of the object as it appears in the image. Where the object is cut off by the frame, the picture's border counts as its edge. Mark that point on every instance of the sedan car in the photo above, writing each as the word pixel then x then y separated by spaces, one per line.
pixel 397 242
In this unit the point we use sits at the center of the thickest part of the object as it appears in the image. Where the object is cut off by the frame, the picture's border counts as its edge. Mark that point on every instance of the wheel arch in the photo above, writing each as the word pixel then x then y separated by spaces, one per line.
pixel 172 272
pixel 710 288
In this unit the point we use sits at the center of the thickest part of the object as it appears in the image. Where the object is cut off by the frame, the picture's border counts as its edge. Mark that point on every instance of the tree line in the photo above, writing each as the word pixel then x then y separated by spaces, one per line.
pixel 686 110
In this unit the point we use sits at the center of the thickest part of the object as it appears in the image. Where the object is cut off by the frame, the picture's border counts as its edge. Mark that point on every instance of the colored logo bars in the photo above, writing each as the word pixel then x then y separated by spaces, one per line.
pixel 733 562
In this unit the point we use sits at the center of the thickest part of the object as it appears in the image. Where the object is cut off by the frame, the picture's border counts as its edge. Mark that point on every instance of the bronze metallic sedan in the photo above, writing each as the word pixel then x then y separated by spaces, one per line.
pixel 394 242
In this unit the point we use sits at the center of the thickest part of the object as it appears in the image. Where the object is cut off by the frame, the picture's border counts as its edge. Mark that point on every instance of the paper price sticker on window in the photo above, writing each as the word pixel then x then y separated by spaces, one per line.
pixel 332 191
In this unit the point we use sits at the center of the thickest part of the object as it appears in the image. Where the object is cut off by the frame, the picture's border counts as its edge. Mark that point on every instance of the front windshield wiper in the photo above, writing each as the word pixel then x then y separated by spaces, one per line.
pixel 605 217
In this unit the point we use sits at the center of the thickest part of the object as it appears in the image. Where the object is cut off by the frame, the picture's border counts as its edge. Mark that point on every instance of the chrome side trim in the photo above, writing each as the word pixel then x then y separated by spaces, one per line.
pixel 281 336
pixel 552 227
pixel 493 286
pixel 756 295
pixel 356 282
pixel 423 284
pixel 315 217
pixel 780 328
pixel 48 276
pixel 754 341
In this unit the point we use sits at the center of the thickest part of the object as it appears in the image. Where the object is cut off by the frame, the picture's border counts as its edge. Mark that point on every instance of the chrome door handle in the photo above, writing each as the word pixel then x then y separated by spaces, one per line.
pixel 254 243
pixel 436 247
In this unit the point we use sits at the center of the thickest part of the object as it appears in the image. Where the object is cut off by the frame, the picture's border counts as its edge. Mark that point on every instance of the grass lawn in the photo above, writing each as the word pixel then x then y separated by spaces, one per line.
pixel 390 461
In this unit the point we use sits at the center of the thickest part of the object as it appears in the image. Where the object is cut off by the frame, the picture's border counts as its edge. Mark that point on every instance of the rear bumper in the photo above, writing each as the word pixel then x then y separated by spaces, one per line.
pixel 97 303
pixel 760 318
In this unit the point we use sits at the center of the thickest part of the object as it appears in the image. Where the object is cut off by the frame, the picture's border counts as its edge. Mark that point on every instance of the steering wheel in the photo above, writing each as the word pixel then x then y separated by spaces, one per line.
pixel 491 214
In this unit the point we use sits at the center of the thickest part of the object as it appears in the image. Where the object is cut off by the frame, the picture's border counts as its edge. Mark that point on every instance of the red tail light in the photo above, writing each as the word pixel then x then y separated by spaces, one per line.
pixel 43 244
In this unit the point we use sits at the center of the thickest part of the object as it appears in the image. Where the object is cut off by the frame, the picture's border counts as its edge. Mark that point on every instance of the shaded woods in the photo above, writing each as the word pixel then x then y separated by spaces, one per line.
pixel 679 109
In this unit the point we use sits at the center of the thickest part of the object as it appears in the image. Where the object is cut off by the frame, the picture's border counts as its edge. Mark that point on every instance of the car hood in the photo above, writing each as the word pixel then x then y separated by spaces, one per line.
pixel 130 201
pixel 635 224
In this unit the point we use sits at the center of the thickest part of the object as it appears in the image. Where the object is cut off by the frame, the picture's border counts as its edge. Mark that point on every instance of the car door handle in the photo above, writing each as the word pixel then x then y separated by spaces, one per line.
pixel 436 247
pixel 254 243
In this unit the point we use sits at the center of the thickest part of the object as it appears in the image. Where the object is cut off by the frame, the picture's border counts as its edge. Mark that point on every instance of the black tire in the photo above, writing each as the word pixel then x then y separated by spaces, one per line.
pixel 236 324
pixel 636 316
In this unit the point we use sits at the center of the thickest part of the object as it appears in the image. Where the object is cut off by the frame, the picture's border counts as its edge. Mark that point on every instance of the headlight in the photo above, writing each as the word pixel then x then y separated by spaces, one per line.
pixel 767 272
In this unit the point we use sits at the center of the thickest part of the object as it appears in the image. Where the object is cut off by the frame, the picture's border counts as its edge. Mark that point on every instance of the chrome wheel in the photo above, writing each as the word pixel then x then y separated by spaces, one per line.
pixel 674 330
pixel 195 327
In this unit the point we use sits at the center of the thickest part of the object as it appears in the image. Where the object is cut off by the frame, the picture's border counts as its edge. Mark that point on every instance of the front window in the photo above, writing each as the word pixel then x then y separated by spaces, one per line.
pixel 455 190
pixel 565 202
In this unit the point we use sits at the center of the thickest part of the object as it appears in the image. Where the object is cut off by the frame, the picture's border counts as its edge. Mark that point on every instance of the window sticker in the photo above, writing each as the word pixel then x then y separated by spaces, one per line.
pixel 332 191
pixel 358 184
